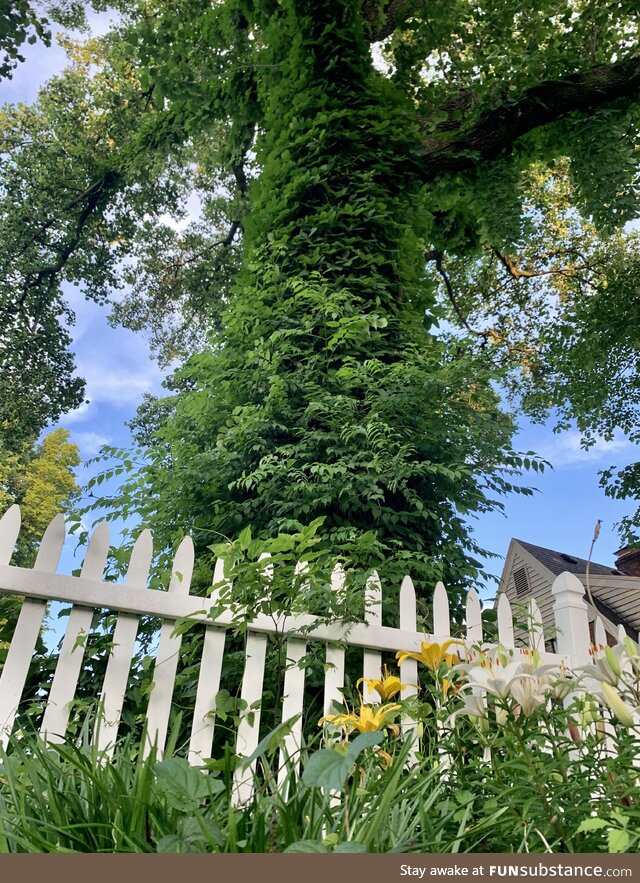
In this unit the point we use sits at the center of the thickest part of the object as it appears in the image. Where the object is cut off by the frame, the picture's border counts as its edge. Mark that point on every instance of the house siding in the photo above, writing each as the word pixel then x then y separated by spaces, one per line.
pixel 540 589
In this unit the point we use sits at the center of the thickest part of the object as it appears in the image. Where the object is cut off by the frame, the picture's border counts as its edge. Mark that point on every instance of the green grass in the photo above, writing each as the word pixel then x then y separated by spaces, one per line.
pixel 68 798
pixel 65 798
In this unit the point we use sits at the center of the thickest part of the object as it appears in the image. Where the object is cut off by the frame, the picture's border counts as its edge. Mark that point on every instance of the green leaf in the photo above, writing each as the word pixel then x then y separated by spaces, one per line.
pixel 593 824
pixel 618 840
pixel 306 846
pixel 272 740
pixel 329 768
pixel 183 784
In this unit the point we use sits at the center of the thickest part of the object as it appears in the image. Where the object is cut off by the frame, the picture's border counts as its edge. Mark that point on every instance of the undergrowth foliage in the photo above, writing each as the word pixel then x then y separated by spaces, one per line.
pixel 564 751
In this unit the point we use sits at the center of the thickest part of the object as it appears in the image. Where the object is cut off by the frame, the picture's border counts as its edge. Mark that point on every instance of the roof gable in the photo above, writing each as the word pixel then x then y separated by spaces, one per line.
pixel 560 562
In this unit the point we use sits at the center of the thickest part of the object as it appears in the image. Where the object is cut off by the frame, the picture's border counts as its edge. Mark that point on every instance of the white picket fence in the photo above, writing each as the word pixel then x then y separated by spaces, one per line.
pixel 132 599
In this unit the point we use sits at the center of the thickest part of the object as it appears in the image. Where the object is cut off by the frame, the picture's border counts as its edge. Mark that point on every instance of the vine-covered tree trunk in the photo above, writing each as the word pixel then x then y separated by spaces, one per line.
pixel 330 397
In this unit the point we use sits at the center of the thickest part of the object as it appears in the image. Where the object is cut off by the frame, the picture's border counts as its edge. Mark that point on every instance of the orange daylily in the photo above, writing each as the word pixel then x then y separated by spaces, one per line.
pixel 368 719
pixel 432 655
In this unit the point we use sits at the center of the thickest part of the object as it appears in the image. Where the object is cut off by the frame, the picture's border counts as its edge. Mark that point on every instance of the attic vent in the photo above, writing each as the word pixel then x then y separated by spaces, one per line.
pixel 569 558
pixel 521 582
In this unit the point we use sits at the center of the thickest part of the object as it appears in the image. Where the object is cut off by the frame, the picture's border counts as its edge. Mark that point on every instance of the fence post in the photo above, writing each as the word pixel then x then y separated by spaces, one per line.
pixel 572 621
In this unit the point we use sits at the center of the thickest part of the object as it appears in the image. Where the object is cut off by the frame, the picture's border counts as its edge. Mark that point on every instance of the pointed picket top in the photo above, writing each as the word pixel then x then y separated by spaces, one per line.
pixel 505 622
pixel 51 545
pixel 536 628
pixel 408 609
pixel 268 569
pixel 474 617
pixel 338 582
pixel 408 623
pixel 97 552
pixel 373 600
pixel 140 561
pixel 182 567
pixel 220 582
pixel 622 634
pixel 600 633
pixel 9 530
pixel 441 618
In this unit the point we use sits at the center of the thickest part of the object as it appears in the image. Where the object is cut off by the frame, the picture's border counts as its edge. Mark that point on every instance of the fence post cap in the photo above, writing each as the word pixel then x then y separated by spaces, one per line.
pixel 567 583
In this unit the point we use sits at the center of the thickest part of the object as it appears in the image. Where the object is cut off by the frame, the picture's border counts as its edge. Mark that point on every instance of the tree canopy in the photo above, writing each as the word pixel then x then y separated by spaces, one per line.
pixel 363 170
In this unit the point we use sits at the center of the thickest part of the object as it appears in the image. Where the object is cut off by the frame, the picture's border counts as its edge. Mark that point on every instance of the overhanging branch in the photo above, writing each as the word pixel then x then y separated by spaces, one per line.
pixel 381 20
pixel 498 128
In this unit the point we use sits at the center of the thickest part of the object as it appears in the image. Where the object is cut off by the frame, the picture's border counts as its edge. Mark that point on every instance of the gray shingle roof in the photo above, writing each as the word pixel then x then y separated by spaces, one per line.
pixel 559 562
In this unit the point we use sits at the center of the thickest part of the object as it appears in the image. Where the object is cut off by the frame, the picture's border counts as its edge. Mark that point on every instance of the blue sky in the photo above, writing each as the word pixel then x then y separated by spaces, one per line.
pixel 118 370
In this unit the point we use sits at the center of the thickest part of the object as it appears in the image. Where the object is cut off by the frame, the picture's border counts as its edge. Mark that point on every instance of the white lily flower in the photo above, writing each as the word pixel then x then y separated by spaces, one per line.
pixel 473 707
pixel 529 692
pixel 606 667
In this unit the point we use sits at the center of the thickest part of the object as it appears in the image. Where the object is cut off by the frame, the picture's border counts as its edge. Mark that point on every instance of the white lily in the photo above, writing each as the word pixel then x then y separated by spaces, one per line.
pixel 529 692
pixel 606 667
pixel 473 706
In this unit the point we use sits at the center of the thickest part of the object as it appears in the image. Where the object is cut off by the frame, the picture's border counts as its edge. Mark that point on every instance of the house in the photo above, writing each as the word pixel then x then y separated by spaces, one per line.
pixel 529 571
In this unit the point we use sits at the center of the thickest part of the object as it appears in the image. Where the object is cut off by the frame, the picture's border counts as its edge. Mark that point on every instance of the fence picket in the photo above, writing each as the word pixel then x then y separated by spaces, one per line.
pixel 9 532
pixel 293 699
pixel 292 705
pixel 409 668
pixel 248 733
pixel 372 664
pixel 167 656
pixel 27 630
pixel 474 618
pixel 201 742
pixel 441 618
pixel 65 679
pixel 249 726
pixel 536 627
pixel 334 674
pixel 622 634
pixel 408 623
pixel 125 632
pixel 133 600
pixel 505 622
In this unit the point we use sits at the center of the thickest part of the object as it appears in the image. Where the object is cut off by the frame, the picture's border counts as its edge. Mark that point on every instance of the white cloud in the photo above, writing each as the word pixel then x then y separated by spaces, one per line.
pixel 89 443
pixel 77 415
pixel 114 362
pixel 565 449
pixel 120 383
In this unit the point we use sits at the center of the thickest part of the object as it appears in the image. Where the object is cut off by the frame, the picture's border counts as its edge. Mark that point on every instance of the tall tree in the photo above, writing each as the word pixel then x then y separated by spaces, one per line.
pixel 351 142
pixel 39 477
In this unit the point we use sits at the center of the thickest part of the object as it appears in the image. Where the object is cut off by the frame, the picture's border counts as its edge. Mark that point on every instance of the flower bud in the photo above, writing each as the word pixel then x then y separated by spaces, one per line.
pixel 617 705
pixel 613 661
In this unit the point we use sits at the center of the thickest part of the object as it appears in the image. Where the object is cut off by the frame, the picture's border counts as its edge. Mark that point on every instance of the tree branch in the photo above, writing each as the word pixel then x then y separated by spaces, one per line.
pixel 516 272
pixel 381 22
pixel 498 128
pixel 437 257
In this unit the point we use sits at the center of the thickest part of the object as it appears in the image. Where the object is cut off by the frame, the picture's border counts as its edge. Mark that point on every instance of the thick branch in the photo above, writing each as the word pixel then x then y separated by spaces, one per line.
pixel 497 129
pixel 380 21
pixel 96 197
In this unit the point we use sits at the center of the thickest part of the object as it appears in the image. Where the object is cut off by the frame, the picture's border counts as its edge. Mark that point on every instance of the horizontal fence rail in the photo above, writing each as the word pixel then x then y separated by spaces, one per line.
pixel 131 600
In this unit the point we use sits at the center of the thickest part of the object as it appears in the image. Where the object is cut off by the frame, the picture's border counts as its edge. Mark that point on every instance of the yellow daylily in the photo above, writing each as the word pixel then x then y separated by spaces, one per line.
pixel 385 759
pixel 431 655
pixel 368 719
pixel 447 686
pixel 385 687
